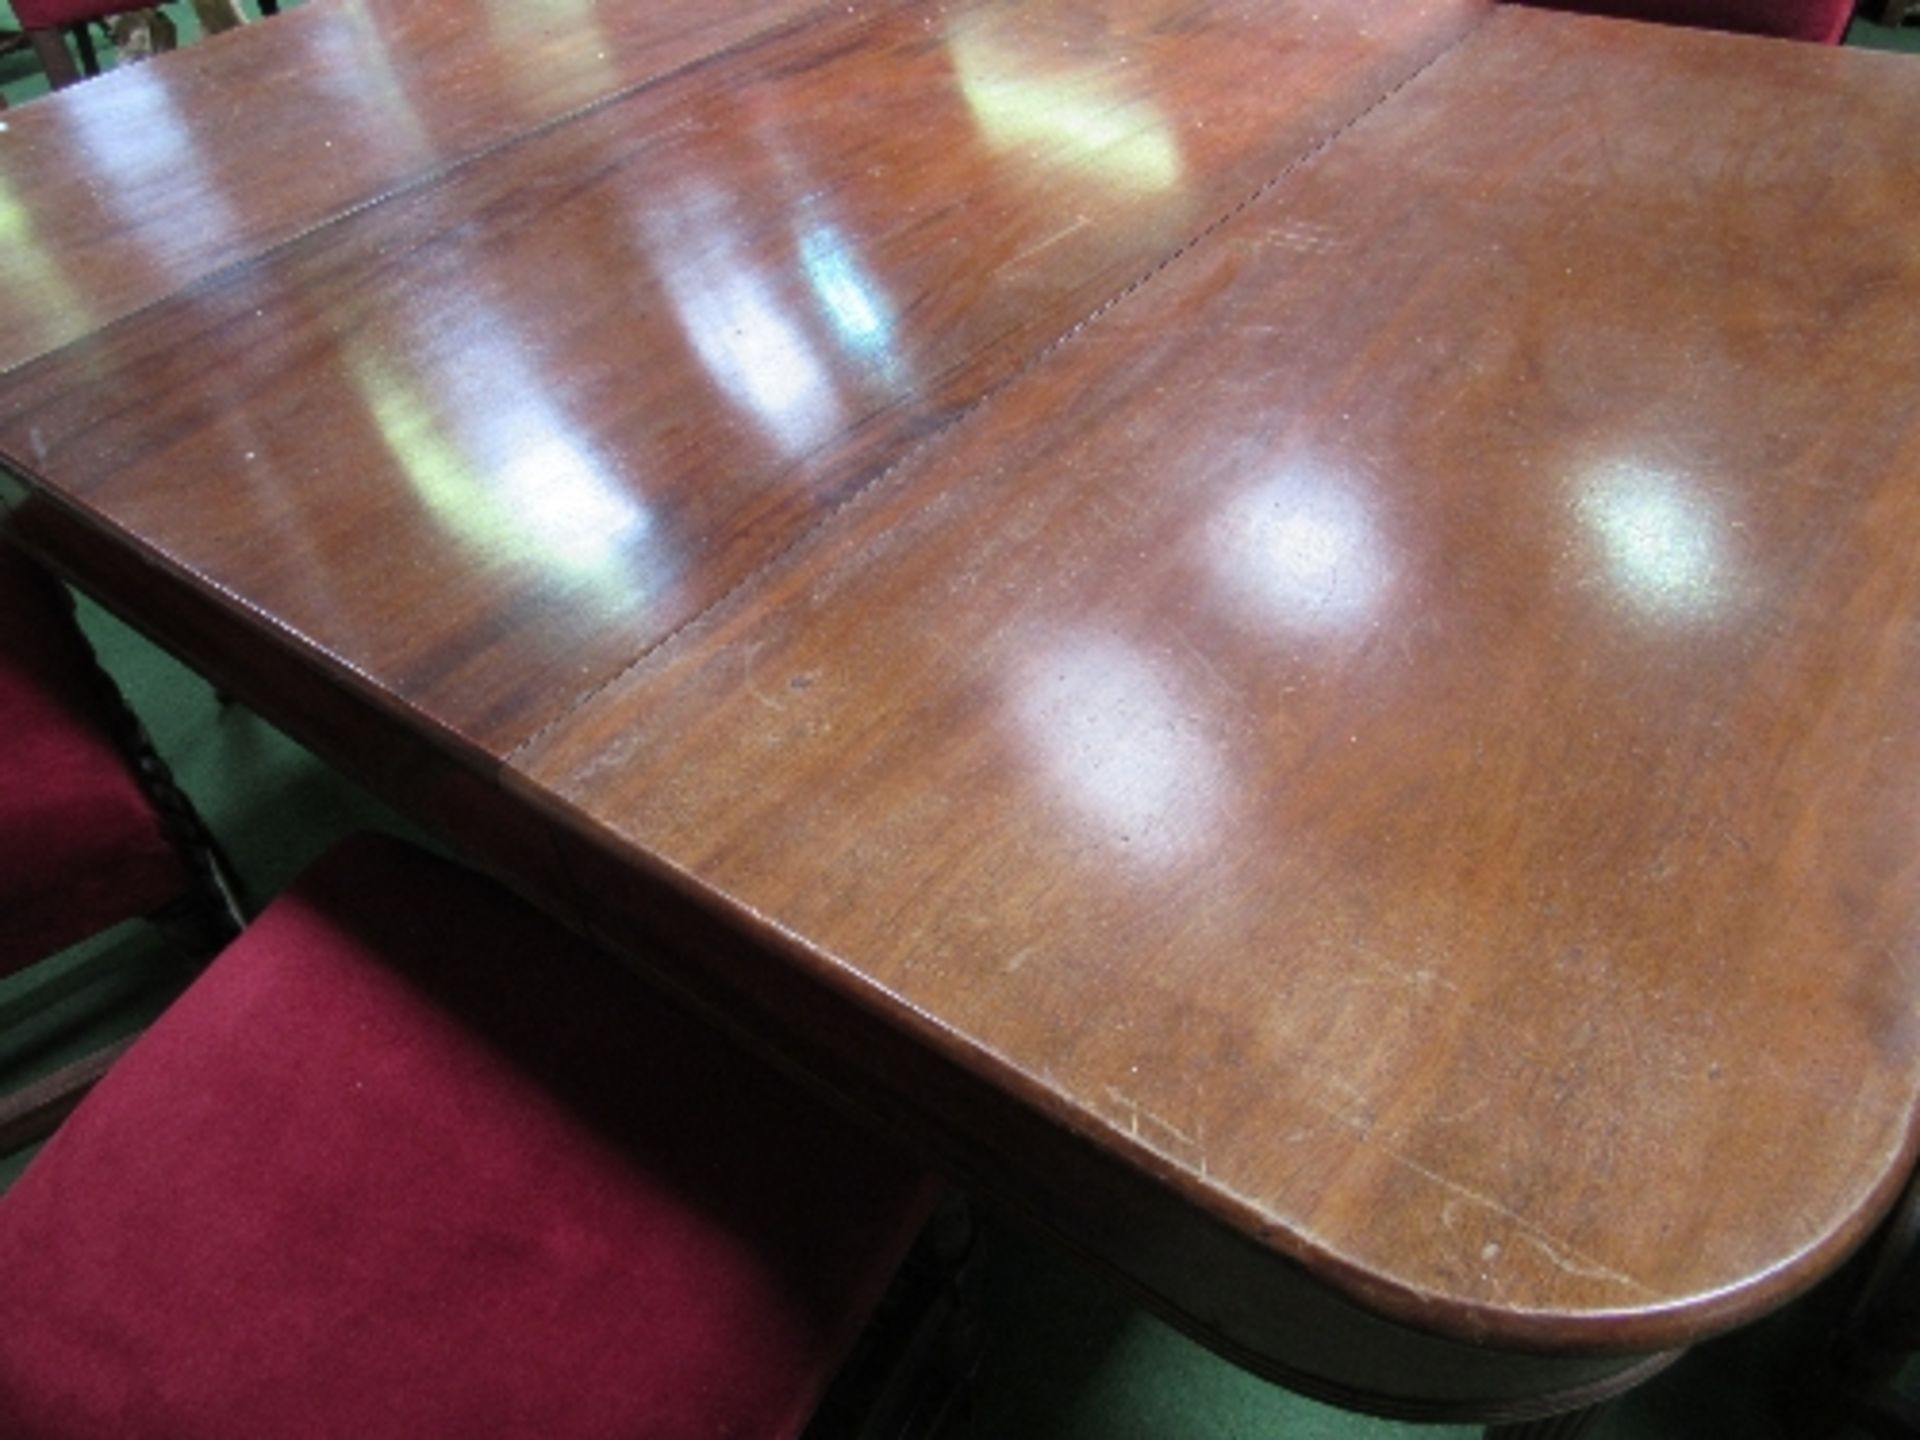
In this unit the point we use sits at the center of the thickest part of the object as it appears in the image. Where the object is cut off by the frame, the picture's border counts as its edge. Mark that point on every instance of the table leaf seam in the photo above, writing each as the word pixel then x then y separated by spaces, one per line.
pixel 945 429
pixel 433 176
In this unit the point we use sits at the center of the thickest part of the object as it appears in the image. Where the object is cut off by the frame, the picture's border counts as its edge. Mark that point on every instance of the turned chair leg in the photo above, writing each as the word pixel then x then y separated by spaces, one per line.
pixel 50 48
pixel 89 58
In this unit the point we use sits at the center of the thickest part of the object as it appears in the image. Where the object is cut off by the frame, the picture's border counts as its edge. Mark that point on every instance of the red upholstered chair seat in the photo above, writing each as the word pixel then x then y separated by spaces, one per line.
pixel 81 846
pixel 48 14
pixel 1824 22
pixel 410 1161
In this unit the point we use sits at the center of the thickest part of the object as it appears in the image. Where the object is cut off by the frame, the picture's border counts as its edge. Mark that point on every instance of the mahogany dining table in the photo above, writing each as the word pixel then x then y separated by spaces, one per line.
pixel 1282 634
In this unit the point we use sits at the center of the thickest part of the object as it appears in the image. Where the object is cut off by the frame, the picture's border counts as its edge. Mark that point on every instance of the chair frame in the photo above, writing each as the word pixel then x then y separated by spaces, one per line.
pixel 920 1352
pixel 199 923
pixel 50 45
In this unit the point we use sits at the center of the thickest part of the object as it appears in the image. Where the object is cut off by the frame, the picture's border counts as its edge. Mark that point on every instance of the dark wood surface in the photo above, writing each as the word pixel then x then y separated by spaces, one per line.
pixel 1285 635
pixel 587 386
pixel 163 175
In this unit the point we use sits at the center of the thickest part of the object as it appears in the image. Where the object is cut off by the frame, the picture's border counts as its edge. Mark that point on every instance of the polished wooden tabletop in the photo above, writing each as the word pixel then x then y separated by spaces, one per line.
pixel 1284 632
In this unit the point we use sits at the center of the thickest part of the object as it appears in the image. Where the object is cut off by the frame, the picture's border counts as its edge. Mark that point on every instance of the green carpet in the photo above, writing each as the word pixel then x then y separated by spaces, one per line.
pixel 1869 36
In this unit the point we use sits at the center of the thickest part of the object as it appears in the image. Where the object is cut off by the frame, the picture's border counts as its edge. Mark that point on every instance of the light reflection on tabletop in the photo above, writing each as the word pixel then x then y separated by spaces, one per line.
pixel 1119 741
pixel 735 320
pixel 1661 541
pixel 144 140
pixel 520 24
pixel 32 272
pixel 505 469
pixel 1044 111
pixel 854 302
pixel 356 70
pixel 1301 550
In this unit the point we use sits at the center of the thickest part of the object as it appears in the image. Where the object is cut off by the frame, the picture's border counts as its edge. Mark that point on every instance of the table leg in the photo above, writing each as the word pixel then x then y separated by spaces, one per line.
pixel 83 42
pixel 50 46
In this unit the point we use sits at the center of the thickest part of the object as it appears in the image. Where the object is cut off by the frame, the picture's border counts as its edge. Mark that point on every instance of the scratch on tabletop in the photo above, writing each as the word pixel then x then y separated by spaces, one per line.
pixel 1464 1113
pixel 1079 222
pixel 1219 677
pixel 747 653
pixel 1136 1112
pixel 1304 237
pixel 1575 1265
pixel 1563 1255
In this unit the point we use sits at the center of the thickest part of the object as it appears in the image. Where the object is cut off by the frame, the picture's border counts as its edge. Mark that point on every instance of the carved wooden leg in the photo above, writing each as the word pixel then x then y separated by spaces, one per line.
pixel 218 16
pixel 51 48
pixel 83 42
pixel 1569 1426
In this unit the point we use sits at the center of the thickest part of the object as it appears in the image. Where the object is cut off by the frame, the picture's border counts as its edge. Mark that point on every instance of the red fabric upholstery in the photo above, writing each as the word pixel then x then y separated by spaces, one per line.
pixel 53 14
pixel 409 1161
pixel 1822 21
pixel 81 848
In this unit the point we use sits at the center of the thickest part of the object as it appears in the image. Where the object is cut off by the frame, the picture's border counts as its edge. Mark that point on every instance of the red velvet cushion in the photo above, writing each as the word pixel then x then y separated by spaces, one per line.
pixel 80 846
pixel 47 14
pixel 1822 21
pixel 408 1161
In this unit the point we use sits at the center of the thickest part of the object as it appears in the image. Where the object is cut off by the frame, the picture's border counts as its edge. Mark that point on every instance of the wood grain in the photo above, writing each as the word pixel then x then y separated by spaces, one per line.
pixel 1285 635
pixel 153 176
pixel 580 390
pixel 1405 726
